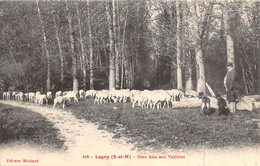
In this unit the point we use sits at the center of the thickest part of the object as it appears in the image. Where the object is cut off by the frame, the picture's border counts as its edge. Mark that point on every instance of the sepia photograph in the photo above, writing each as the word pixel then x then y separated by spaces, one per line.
pixel 129 82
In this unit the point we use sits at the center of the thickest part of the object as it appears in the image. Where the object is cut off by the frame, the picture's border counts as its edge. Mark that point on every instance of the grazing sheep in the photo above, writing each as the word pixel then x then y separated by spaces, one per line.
pixel 191 93
pixel 58 93
pixel 64 93
pixel 102 97
pixel 91 93
pixel 26 97
pixel 60 100
pixel 142 98
pixel 32 97
pixel 176 94
pixel 15 95
pixel 40 98
pixel 72 94
pixel 6 95
pixel 20 96
pixel 49 95
pixel 119 95
pixel 81 93
pixel 133 93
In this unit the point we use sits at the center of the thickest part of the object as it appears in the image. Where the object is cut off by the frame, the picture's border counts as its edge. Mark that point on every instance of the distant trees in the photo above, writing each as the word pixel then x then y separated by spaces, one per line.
pixel 128 44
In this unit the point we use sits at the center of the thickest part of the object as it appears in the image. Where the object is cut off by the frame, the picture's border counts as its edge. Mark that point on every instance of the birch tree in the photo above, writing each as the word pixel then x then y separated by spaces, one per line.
pixel 195 32
pixel 229 39
pixel 91 72
pixel 116 36
pixel 111 48
pixel 83 52
pixel 57 34
pixel 73 55
pixel 124 68
pixel 178 46
pixel 48 83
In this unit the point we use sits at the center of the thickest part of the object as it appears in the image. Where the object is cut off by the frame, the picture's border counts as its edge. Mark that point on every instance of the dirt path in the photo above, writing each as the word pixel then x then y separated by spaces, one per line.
pixel 84 139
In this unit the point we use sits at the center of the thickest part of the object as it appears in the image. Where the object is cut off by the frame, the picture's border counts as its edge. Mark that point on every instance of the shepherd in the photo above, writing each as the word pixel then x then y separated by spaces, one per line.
pixel 229 82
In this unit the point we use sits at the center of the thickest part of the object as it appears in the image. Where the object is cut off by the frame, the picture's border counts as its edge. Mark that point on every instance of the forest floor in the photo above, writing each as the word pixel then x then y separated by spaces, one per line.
pixel 104 129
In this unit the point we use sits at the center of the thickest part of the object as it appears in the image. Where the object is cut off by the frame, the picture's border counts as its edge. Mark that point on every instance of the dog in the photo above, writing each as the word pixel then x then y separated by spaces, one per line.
pixel 205 105
pixel 222 106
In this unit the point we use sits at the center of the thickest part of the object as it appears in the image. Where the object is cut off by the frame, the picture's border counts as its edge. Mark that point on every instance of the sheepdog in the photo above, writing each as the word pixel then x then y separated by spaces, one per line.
pixel 222 106
pixel 205 105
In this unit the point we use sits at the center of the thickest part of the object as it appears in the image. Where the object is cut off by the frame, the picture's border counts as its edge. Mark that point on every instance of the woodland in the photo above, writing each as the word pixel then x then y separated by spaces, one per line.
pixel 128 44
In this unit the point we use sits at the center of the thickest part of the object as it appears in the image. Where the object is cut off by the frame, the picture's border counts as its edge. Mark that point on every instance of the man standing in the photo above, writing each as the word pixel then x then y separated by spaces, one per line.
pixel 229 82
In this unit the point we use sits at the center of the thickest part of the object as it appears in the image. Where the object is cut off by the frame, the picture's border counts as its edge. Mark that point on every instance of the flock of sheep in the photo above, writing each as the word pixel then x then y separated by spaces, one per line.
pixel 155 99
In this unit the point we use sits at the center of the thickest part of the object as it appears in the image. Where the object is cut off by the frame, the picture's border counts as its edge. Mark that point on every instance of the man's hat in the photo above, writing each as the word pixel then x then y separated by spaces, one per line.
pixel 229 64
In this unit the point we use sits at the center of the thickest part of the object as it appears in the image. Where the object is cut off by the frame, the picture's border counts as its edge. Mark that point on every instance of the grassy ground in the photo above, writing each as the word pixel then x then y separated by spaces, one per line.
pixel 170 128
pixel 24 126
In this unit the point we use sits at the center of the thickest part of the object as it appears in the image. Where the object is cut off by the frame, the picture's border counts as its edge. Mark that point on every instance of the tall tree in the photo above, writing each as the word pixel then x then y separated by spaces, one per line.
pixel 111 48
pixel 179 46
pixel 73 55
pixel 48 83
pixel 227 32
pixel 83 53
pixel 124 68
pixel 57 34
pixel 116 36
pixel 195 32
pixel 154 10
pixel 91 72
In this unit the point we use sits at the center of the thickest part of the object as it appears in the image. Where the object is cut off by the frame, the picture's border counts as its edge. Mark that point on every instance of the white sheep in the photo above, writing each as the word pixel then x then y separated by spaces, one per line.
pixel 32 97
pixel 81 93
pixel 15 95
pixel 91 93
pixel 191 93
pixel 60 100
pixel 141 98
pixel 58 93
pixel 71 94
pixel 40 99
pixel 102 97
pixel 49 95
pixel 26 96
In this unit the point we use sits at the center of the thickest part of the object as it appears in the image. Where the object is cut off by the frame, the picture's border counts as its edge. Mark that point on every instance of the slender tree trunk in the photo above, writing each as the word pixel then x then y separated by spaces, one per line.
pixel 201 83
pixel 48 83
pixel 122 72
pixel 189 82
pixel 172 65
pixel 229 39
pixel 91 62
pixel 115 38
pixel 83 52
pixel 178 46
pixel 122 52
pixel 189 85
pixel 111 50
pixel 60 50
pixel 73 56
